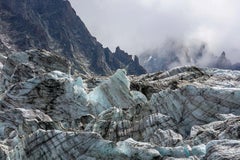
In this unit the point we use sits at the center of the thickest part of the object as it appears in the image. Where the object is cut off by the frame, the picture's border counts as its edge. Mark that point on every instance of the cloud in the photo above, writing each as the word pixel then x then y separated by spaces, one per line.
pixel 139 25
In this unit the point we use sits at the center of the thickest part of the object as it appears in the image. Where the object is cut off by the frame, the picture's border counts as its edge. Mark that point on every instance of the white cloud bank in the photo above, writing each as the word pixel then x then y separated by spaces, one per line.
pixel 139 25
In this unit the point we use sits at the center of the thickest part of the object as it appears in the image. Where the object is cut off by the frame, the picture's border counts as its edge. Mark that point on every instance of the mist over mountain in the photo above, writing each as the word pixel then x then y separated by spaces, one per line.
pixel 54 26
pixel 141 25
pixel 177 53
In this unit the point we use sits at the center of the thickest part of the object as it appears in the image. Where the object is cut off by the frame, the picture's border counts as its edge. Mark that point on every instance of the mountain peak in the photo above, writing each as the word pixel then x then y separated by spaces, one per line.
pixel 223 55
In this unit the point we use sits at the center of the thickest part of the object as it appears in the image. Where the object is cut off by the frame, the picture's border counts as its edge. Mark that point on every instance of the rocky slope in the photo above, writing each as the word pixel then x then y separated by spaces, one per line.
pixel 183 113
pixel 54 26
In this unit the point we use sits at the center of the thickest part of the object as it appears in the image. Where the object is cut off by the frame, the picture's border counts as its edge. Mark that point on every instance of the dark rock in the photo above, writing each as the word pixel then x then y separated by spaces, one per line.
pixel 122 56
pixel 54 26
pixel 134 68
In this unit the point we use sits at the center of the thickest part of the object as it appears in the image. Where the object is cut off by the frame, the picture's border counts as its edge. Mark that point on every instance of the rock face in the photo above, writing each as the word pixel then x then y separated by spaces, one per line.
pixel 131 65
pixel 54 26
pixel 183 113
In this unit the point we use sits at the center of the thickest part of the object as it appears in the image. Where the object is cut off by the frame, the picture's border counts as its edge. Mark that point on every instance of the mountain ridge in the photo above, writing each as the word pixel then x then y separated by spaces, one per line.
pixel 53 25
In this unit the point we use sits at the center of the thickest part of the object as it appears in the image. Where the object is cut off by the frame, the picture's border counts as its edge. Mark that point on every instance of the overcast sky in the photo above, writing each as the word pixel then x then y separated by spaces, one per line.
pixel 139 25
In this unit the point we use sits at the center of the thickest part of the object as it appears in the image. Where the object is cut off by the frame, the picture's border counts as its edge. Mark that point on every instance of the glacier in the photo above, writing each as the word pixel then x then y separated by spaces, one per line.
pixel 184 113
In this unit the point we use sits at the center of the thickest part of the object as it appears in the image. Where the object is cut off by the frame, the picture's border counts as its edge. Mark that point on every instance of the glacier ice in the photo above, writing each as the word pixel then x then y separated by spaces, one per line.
pixel 115 92
pixel 188 108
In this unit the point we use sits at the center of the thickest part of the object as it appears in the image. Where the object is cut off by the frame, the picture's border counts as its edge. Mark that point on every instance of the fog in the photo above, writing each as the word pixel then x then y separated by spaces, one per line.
pixel 140 25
